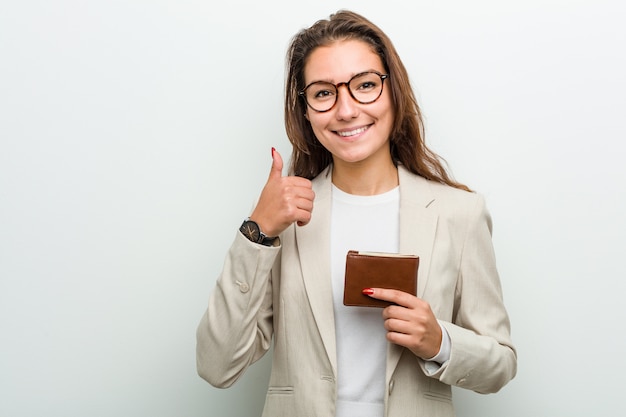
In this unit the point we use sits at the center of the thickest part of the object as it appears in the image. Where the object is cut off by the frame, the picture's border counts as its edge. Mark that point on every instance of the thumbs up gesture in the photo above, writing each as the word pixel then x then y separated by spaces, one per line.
pixel 283 201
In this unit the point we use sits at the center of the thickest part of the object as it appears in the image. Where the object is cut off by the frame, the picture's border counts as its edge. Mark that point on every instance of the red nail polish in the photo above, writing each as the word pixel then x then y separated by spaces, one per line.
pixel 273 150
pixel 368 291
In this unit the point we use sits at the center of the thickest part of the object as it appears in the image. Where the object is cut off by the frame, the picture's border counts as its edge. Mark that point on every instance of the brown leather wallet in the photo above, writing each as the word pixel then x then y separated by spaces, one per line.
pixel 378 270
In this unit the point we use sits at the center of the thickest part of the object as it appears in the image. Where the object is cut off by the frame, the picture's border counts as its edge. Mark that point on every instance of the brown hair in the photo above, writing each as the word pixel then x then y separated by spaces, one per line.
pixel 408 148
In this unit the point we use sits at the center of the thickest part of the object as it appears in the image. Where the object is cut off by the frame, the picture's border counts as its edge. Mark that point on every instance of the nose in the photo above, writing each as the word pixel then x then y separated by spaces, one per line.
pixel 346 106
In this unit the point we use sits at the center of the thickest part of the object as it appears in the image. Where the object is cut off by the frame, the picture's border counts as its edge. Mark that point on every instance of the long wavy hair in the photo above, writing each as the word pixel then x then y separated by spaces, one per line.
pixel 407 143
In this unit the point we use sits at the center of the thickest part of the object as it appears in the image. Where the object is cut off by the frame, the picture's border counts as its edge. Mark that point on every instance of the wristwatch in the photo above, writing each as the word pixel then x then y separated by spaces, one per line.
pixel 251 230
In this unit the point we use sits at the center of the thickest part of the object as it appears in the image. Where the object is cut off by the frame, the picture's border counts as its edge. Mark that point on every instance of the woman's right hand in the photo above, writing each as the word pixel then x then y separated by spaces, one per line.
pixel 284 200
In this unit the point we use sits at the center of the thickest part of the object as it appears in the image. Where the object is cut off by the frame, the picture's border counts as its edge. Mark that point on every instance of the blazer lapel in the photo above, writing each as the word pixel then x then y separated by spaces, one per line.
pixel 418 225
pixel 314 250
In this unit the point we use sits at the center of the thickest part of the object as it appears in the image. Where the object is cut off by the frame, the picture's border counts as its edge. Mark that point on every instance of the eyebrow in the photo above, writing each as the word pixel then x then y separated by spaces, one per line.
pixel 326 80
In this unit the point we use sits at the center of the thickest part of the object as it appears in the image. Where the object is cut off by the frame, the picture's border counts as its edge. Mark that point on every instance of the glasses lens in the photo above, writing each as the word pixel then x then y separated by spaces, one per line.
pixel 366 87
pixel 321 96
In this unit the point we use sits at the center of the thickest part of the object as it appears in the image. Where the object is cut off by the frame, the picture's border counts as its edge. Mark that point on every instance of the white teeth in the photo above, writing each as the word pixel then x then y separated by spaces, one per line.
pixel 352 132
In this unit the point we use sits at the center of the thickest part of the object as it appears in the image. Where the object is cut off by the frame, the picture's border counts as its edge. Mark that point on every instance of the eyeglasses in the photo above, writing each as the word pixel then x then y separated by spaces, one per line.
pixel 365 88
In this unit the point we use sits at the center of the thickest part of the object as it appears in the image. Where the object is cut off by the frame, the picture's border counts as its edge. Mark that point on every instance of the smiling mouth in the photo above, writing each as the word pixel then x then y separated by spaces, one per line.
pixel 354 132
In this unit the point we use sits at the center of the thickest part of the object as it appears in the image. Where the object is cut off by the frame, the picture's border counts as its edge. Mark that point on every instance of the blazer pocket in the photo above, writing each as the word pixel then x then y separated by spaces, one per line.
pixel 437 397
pixel 439 391
pixel 280 391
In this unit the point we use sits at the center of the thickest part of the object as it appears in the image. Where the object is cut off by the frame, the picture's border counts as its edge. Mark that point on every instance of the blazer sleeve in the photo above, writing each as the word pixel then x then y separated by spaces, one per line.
pixel 482 355
pixel 236 329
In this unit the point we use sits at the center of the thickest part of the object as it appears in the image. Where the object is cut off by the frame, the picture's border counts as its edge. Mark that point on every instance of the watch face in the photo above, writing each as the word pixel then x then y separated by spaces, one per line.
pixel 251 230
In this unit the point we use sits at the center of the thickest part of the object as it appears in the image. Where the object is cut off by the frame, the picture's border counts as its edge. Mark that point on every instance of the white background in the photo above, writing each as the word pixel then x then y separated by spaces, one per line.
pixel 134 136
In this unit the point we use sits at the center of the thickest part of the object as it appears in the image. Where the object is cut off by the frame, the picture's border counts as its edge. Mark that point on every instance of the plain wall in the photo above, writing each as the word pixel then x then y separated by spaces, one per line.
pixel 135 135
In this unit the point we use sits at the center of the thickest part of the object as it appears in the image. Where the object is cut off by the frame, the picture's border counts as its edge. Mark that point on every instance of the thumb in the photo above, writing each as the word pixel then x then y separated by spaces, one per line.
pixel 277 165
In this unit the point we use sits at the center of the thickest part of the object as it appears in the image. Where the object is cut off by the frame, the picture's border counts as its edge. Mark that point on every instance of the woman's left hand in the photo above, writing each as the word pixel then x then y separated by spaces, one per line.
pixel 410 323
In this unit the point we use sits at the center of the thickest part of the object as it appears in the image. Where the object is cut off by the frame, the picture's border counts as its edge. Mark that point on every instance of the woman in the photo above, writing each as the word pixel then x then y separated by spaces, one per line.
pixel 359 156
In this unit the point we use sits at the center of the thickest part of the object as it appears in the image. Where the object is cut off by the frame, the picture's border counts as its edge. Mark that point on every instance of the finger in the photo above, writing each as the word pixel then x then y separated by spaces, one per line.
pixel 399 326
pixel 305 220
pixel 394 296
pixel 277 165
pixel 401 339
pixel 300 182
pixel 305 204
pixel 395 311
pixel 303 216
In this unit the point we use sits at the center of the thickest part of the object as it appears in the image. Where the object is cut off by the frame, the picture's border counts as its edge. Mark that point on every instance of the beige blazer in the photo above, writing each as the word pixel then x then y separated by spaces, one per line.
pixel 284 293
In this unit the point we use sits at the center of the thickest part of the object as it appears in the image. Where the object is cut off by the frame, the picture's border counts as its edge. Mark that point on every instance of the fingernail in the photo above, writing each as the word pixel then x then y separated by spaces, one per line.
pixel 273 150
pixel 368 291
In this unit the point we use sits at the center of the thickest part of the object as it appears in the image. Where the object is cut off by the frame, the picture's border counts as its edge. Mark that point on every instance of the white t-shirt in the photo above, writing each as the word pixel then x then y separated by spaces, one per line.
pixel 369 223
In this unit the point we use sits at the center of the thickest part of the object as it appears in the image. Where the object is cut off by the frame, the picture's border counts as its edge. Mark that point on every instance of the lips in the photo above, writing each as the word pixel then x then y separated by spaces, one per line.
pixel 354 132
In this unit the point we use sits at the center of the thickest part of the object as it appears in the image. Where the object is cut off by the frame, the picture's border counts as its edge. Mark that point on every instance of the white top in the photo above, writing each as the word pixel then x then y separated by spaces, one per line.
pixel 364 223
pixel 369 223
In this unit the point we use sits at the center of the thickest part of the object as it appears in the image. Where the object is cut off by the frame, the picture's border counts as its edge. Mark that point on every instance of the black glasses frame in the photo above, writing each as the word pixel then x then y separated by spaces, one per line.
pixel 383 77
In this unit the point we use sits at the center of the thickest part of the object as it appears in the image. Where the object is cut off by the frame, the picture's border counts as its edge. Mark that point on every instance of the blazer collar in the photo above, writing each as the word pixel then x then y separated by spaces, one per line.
pixel 417 230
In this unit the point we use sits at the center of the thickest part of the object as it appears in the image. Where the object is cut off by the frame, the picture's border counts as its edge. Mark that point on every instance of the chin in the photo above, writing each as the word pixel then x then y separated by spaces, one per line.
pixel 351 159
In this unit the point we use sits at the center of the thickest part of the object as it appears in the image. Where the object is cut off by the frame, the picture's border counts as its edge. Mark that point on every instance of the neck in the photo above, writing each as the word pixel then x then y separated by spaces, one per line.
pixel 363 179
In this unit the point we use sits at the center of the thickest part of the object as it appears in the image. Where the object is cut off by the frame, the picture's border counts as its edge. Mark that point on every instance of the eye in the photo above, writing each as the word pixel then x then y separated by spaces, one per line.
pixel 321 91
pixel 366 85
pixel 323 94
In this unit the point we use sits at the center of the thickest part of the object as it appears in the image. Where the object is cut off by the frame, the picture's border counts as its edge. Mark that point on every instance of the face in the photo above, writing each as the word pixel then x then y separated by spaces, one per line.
pixel 352 132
